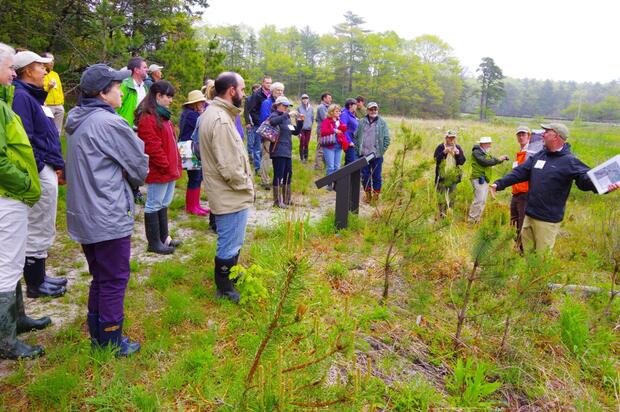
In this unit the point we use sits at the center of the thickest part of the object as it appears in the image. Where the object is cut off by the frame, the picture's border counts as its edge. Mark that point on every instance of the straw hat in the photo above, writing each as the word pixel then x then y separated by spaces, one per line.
pixel 195 96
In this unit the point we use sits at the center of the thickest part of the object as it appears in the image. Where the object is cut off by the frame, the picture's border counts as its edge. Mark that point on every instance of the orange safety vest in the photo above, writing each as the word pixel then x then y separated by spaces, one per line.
pixel 522 187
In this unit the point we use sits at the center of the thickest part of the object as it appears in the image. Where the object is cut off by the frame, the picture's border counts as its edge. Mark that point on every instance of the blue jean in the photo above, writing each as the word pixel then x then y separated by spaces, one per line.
pixel 158 196
pixel 230 233
pixel 350 155
pixel 371 175
pixel 332 158
pixel 254 147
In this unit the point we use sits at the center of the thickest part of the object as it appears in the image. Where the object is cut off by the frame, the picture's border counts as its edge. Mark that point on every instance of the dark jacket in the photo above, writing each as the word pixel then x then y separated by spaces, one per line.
pixel 40 128
pixel 253 106
pixel 161 146
pixel 550 182
pixel 284 146
pixel 440 156
pixel 481 166
pixel 187 123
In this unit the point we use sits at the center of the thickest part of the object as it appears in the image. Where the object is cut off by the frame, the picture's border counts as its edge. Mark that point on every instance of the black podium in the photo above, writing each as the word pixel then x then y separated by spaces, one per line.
pixel 347 180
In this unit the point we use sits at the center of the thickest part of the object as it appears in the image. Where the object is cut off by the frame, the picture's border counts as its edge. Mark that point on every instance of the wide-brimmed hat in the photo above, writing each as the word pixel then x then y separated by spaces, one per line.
pixel 195 96
pixel 485 139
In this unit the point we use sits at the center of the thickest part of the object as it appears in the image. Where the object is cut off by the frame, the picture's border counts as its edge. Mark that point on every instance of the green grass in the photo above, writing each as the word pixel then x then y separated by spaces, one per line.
pixel 337 347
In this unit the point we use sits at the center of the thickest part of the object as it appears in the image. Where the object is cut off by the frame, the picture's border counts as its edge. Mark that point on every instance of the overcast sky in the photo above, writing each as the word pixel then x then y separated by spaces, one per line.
pixel 539 39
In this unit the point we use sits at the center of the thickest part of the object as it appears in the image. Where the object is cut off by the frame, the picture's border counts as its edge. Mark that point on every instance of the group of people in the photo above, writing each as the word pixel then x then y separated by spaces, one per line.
pixel 357 130
pixel 541 180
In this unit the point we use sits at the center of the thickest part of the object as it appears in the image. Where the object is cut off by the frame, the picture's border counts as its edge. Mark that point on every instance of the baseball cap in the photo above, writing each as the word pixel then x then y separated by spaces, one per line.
pixel 559 128
pixel 305 96
pixel 450 133
pixel 371 105
pixel 155 68
pixel 485 139
pixel 282 100
pixel 96 77
pixel 24 58
pixel 523 129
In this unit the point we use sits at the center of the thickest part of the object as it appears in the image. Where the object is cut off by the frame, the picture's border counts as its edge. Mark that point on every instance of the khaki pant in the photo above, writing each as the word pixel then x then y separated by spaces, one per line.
pixel 538 235
pixel 265 163
pixel 42 216
pixel 59 116
pixel 480 199
pixel 13 234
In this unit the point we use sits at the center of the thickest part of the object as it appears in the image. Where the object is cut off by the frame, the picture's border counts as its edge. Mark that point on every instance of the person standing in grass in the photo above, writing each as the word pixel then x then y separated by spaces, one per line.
pixel 192 109
pixel 307 111
pixel 281 151
pixel 55 97
pixel 228 177
pixel 277 90
pixel 449 157
pixel 104 160
pixel 550 174
pixel 481 175
pixel 372 136
pixel 332 128
pixel 19 189
pixel 347 117
pixel 321 114
pixel 38 122
pixel 252 107
pixel 518 201
pixel 165 167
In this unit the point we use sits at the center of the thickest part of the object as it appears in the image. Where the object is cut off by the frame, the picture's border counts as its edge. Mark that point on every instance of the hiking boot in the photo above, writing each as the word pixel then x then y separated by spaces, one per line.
pixel 10 346
pixel 24 322
pixel 151 225
pixel 163 229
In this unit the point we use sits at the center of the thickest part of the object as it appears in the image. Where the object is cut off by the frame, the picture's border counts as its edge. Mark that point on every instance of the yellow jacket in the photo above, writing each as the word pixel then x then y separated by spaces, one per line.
pixel 55 96
pixel 225 164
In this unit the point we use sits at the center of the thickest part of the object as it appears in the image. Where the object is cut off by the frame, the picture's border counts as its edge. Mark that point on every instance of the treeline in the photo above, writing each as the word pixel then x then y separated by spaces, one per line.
pixel 411 77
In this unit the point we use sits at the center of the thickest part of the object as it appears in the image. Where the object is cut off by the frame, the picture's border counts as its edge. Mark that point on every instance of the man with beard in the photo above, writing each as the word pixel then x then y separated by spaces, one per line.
pixel 227 175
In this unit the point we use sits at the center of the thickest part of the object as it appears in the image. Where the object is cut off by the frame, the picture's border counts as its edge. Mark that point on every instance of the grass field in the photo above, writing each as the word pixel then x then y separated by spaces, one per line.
pixel 338 343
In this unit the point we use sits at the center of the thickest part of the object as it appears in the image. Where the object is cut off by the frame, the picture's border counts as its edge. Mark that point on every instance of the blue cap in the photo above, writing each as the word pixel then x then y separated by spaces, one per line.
pixel 98 76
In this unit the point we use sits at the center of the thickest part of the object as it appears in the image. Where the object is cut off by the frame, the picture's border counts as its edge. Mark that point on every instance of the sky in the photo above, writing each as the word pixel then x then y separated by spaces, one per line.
pixel 543 39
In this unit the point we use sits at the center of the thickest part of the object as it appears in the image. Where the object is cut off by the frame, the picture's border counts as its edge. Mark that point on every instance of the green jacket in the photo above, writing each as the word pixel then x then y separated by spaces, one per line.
pixel 382 136
pixel 481 166
pixel 130 100
pixel 19 176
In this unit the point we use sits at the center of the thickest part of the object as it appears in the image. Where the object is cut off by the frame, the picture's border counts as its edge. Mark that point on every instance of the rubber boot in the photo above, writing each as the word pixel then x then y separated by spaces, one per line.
pixel 287 195
pixel 192 203
pixel 163 229
pixel 111 335
pixel 225 288
pixel 24 322
pixel 235 260
pixel 36 286
pixel 10 346
pixel 151 225
pixel 92 320
pixel 278 199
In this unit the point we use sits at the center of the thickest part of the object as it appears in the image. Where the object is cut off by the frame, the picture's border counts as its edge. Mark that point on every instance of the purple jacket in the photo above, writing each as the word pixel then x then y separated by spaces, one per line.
pixel 42 132
pixel 347 118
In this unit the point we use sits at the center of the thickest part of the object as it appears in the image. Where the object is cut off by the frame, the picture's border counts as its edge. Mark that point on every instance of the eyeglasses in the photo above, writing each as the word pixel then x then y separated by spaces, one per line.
pixel 373 109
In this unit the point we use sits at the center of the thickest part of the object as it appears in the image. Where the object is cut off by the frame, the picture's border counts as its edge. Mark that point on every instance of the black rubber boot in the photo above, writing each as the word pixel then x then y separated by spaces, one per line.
pixel 151 225
pixel 111 334
pixel 24 322
pixel 36 286
pixel 92 320
pixel 10 346
pixel 212 224
pixel 225 288
pixel 163 229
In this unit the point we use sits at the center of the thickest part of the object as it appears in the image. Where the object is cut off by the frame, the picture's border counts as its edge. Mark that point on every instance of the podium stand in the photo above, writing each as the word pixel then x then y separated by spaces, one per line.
pixel 347 180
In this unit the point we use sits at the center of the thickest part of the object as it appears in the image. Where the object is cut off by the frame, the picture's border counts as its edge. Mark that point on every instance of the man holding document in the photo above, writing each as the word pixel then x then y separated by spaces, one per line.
pixel 550 174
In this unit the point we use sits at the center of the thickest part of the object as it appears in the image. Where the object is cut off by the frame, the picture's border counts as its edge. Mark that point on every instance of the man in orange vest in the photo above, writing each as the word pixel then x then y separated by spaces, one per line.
pixel 519 190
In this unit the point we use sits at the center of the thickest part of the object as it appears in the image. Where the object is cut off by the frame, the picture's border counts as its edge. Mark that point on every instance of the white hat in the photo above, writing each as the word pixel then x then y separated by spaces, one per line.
pixel 485 139
pixel 24 58
pixel 155 68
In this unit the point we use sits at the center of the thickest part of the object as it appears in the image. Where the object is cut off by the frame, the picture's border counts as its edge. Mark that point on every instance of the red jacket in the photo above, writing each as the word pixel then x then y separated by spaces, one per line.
pixel 328 126
pixel 160 144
